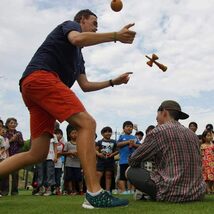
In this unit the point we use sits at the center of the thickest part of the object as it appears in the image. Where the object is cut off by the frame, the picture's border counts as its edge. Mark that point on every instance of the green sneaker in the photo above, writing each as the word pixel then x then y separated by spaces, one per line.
pixel 103 200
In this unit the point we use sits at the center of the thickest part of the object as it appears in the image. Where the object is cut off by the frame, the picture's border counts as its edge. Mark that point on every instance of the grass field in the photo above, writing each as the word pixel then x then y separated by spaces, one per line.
pixel 27 204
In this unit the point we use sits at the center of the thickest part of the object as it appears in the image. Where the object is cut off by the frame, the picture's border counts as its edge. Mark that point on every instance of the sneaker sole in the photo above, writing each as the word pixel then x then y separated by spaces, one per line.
pixel 87 205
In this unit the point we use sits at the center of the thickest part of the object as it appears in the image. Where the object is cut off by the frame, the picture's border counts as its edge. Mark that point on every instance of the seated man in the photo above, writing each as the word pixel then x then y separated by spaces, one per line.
pixel 175 150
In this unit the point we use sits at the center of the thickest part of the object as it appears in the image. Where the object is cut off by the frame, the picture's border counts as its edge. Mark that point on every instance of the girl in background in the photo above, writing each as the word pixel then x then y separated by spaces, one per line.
pixel 207 150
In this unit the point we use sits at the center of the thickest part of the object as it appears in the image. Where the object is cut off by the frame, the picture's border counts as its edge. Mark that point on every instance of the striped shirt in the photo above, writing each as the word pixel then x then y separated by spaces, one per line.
pixel 178 168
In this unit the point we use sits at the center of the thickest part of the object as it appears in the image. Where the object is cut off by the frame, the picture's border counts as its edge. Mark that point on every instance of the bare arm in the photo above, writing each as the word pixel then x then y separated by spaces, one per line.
pixel 87 86
pixel 123 143
pixel 83 39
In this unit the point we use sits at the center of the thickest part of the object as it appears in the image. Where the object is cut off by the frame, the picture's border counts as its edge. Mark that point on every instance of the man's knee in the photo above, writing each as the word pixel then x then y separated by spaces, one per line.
pixel 83 120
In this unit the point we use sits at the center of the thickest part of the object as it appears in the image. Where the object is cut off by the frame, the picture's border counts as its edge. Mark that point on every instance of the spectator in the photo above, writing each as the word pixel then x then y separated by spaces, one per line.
pixel 59 163
pixel 73 173
pixel 16 143
pixel 149 129
pixel 207 151
pixel 139 135
pixel 126 144
pixel 4 153
pixel 46 170
pixel 176 153
pixel 193 126
pixel 106 150
pixel 209 127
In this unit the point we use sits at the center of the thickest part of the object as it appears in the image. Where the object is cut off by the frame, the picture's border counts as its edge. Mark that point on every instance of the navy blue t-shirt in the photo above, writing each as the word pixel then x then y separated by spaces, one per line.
pixel 106 147
pixel 58 55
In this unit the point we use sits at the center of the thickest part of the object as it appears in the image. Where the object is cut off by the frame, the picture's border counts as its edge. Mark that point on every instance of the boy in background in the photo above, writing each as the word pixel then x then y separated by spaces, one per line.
pixel 73 172
pixel 106 150
pixel 46 170
pixel 59 163
pixel 126 144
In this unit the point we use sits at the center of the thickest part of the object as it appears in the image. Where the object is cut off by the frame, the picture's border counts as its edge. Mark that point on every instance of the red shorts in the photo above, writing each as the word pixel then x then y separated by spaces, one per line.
pixel 48 100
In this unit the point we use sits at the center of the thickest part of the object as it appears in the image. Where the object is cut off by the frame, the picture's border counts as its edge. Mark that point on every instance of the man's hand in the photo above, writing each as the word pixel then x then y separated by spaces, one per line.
pixel 122 79
pixel 125 35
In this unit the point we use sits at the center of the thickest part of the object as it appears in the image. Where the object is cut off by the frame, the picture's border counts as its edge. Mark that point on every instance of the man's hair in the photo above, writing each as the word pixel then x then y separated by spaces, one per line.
pixel 106 129
pixel 194 124
pixel 172 113
pixel 127 123
pixel 58 131
pixel 83 13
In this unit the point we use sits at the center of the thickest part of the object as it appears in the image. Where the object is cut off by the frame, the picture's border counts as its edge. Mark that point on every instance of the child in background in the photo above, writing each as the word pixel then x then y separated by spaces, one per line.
pixel 207 151
pixel 46 170
pixel 59 164
pixel 126 144
pixel 139 135
pixel 4 153
pixel 106 150
pixel 73 174
pixel 4 144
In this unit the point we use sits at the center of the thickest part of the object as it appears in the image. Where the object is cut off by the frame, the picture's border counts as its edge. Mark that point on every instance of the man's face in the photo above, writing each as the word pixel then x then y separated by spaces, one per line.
pixel 160 117
pixel 89 24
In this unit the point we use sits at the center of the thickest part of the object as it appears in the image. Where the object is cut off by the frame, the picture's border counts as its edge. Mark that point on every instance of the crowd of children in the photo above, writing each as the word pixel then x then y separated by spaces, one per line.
pixel 61 172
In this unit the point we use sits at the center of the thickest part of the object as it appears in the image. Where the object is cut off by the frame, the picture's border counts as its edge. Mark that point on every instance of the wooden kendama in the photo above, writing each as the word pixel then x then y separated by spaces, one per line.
pixel 116 5
pixel 153 60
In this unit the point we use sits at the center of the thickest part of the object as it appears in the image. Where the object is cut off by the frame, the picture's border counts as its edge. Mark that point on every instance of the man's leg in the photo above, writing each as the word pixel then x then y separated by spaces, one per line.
pixel 86 126
pixel 141 179
pixel 95 197
pixel 37 153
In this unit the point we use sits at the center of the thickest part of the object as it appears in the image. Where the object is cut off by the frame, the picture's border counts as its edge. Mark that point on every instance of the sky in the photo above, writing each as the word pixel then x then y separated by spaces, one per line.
pixel 180 32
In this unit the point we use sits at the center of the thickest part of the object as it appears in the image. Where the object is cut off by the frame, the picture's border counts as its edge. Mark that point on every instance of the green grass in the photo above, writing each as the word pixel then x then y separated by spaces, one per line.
pixel 25 203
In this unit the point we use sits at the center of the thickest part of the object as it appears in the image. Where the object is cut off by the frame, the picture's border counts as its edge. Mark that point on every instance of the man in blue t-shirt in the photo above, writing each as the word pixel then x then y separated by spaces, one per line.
pixel 45 87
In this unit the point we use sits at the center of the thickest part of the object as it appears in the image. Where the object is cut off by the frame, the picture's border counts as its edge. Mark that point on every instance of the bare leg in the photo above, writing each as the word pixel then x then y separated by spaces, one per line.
pixel 122 185
pixel 99 175
pixel 108 178
pixel 86 126
pixel 37 153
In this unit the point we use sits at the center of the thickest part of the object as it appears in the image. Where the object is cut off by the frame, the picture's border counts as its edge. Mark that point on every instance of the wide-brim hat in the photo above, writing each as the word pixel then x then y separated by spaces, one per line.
pixel 173 105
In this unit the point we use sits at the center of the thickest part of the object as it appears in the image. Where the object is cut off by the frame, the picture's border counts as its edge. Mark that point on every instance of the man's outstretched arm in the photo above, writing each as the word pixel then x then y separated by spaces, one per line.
pixel 87 86
pixel 83 39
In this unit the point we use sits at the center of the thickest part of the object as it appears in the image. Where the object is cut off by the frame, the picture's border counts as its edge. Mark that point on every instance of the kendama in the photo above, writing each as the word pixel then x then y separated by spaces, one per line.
pixel 152 60
pixel 116 5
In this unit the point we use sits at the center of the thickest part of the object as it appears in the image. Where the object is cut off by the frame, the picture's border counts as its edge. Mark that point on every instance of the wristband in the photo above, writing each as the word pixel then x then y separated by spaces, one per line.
pixel 111 83
pixel 115 37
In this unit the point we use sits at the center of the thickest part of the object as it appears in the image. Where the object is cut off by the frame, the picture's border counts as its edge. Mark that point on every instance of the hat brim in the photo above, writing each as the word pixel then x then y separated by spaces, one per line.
pixel 183 115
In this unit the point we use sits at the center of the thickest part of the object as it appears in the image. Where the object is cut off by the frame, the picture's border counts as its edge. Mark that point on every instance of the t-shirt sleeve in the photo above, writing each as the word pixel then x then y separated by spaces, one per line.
pixel 70 26
pixel 82 64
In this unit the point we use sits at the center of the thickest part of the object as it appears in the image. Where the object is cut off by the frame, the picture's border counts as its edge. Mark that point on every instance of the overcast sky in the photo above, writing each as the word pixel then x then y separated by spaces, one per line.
pixel 180 32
